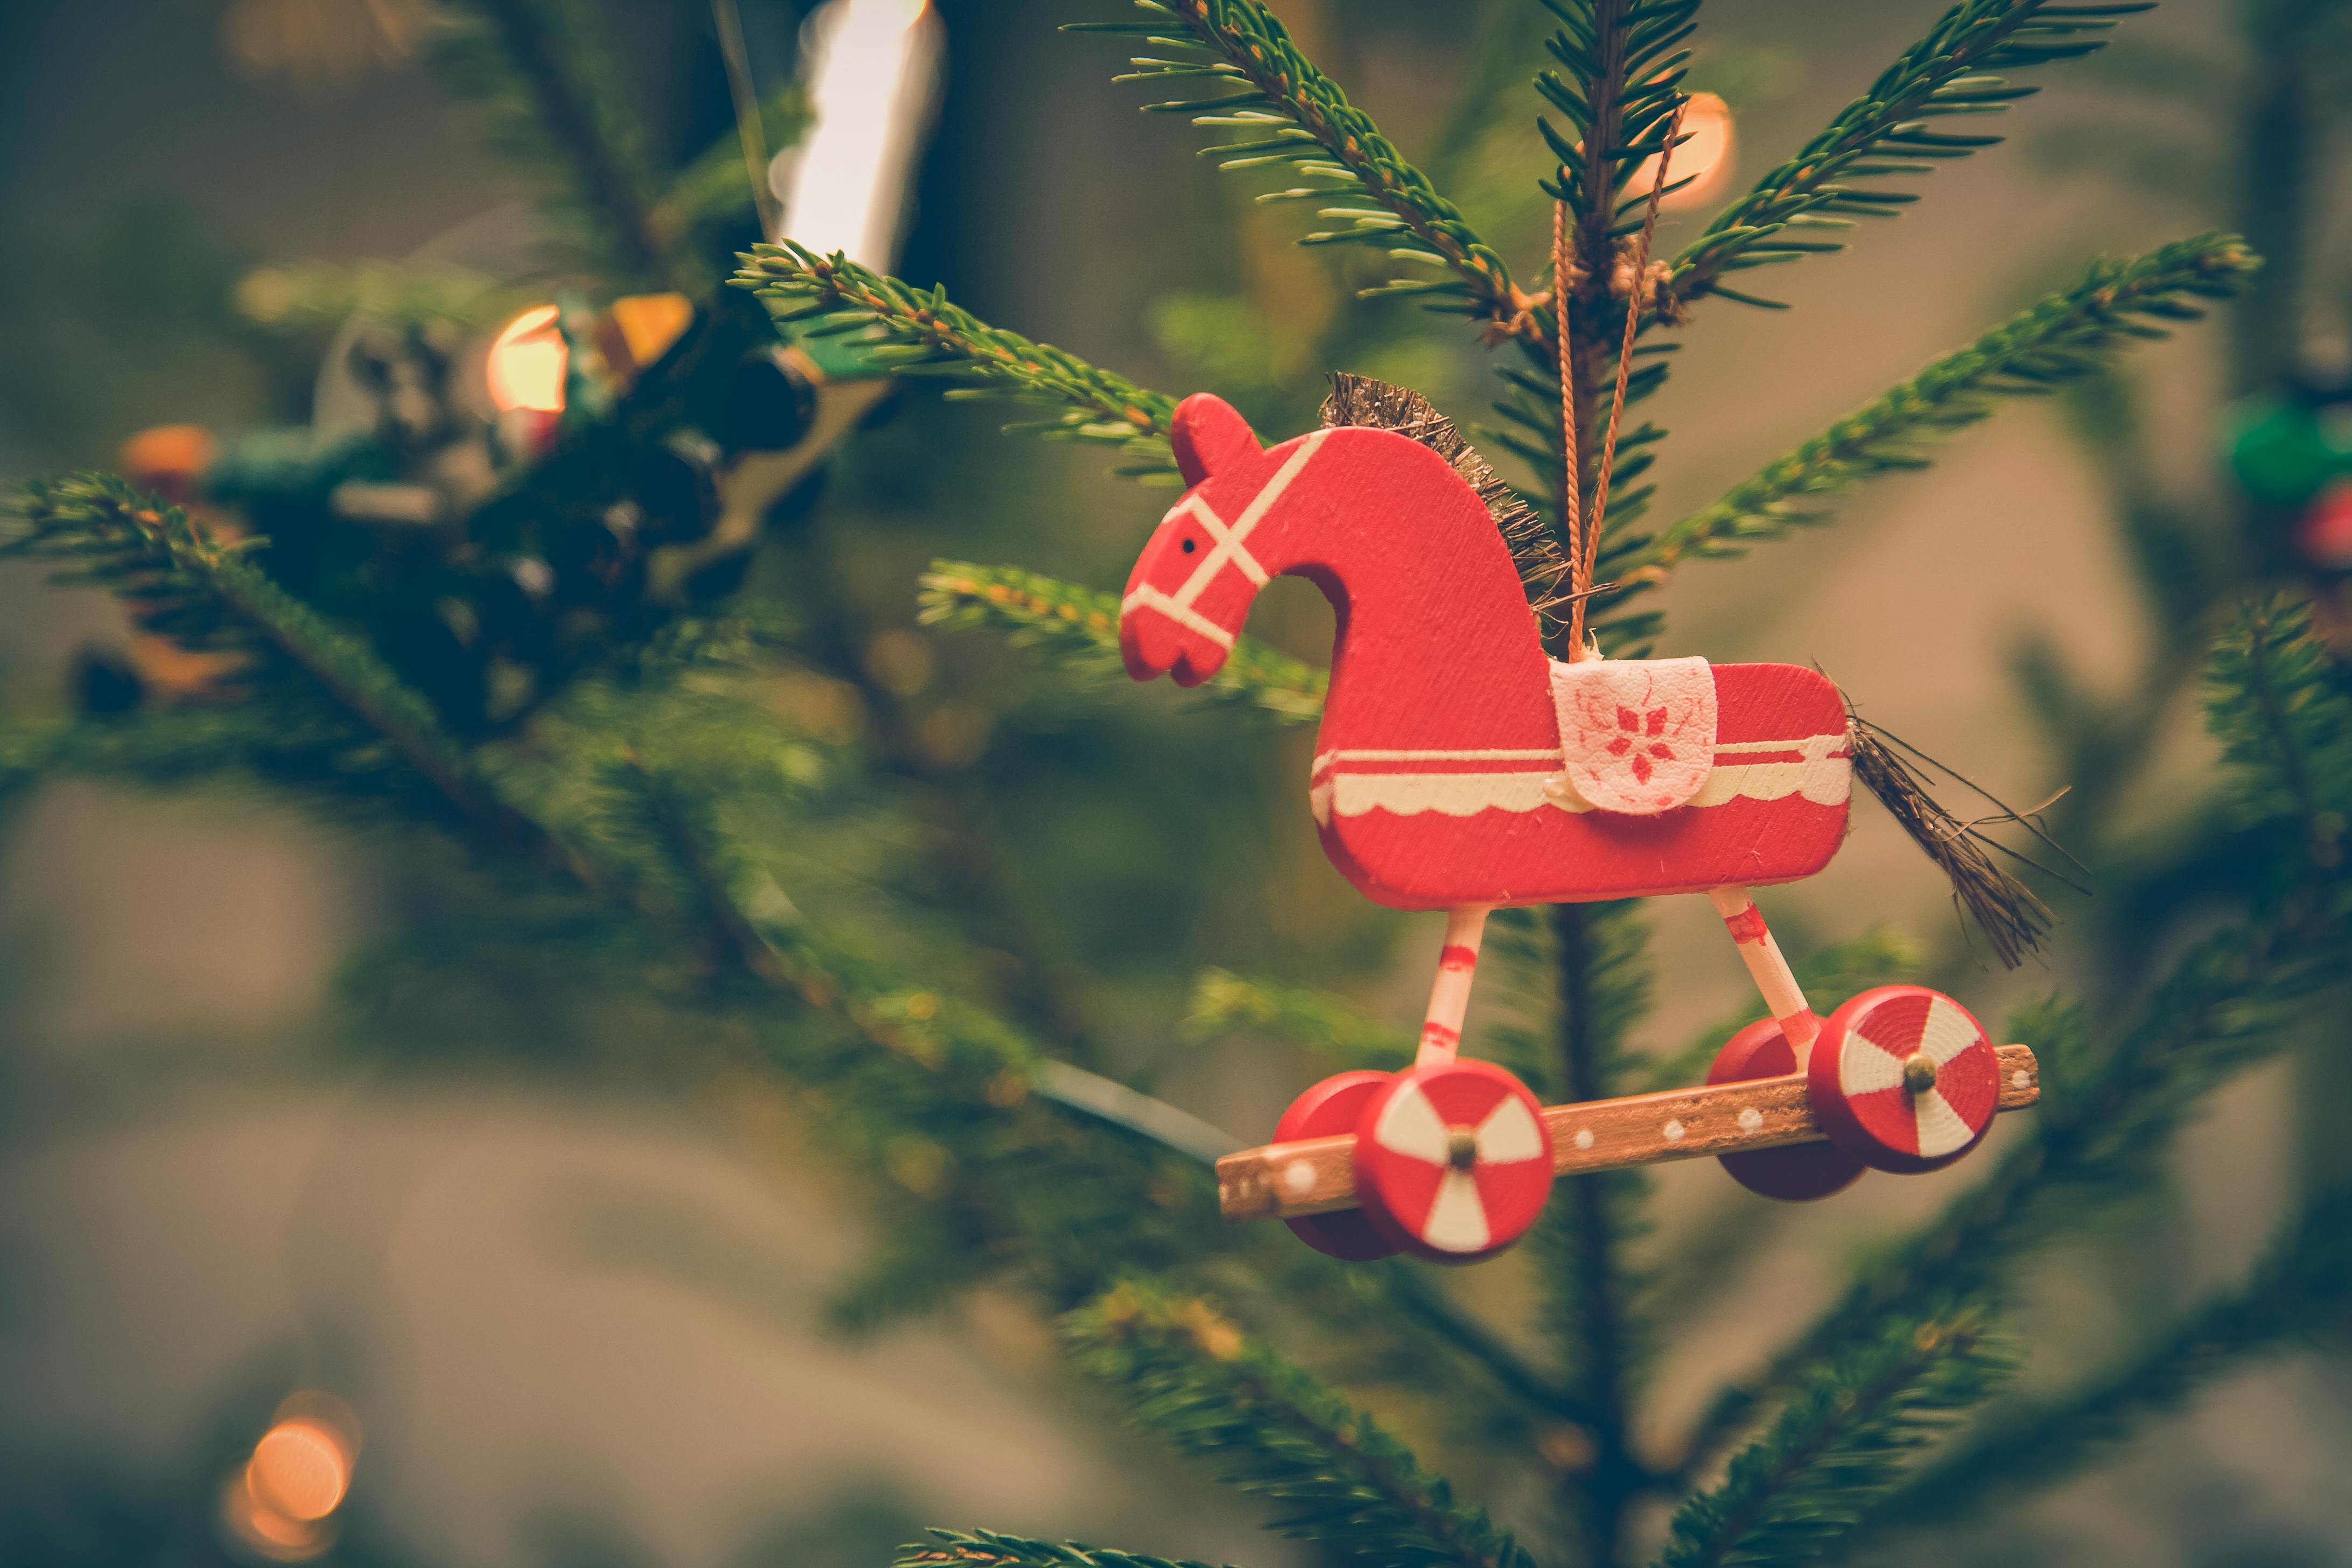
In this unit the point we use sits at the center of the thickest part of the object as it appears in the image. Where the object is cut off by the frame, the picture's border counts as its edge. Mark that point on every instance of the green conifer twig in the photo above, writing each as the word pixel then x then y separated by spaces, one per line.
pixel 1840 1444
pixel 2298 1287
pixel 1080 627
pixel 1224 1003
pixel 2273 701
pixel 2105 1117
pixel 911 331
pixel 1289 113
pixel 206 595
pixel 547 96
pixel 2066 336
pixel 1195 1378
pixel 1885 133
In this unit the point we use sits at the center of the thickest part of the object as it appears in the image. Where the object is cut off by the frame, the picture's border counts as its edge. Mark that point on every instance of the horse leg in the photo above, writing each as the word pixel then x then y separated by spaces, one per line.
pixel 1770 971
pixel 1449 994
pixel 1805 1171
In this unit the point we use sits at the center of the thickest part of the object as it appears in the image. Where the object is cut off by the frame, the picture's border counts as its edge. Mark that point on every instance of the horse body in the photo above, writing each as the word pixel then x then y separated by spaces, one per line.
pixel 1440 736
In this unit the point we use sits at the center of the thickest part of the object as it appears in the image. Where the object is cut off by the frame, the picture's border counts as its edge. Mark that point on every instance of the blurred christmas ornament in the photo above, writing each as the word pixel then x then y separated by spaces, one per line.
pixel 2324 535
pixel 2285 447
pixel 771 404
pixel 638 329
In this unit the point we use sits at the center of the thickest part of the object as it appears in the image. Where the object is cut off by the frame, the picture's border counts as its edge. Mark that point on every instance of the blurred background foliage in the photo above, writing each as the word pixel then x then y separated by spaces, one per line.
pixel 298 1089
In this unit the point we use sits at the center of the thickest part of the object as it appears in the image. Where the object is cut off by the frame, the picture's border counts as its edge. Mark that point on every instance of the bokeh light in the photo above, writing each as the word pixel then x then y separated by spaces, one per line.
pixel 280 1505
pixel 874 75
pixel 1703 157
pixel 528 363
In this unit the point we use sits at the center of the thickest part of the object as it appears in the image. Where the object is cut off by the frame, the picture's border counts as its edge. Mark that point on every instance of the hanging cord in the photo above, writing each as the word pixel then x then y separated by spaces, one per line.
pixel 1572 491
pixel 1584 538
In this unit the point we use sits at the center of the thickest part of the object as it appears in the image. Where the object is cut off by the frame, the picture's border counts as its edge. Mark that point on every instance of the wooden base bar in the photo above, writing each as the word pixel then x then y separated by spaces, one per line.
pixel 1317 1175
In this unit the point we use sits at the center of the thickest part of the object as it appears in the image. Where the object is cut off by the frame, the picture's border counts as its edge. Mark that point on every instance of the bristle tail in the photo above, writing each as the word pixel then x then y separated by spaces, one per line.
pixel 2013 920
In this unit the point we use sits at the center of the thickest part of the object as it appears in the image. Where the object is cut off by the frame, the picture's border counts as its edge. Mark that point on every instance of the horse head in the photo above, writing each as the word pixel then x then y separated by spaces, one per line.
pixel 1192 587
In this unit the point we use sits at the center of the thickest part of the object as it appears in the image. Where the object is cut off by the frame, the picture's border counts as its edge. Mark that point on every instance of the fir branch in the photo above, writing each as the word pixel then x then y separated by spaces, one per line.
pixel 942 1098
pixel 2066 336
pixel 319 297
pixel 1224 1003
pixel 987 1549
pixel 1190 1374
pixel 2099 1130
pixel 1886 133
pixel 546 97
pixel 1079 629
pixel 1625 63
pixel 205 595
pixel 2104 1117
pixel 1840 1443
pixel 1602 987
pixel 910 331
pixel 2298 1287
pixel 1287 112
pixel 2274 704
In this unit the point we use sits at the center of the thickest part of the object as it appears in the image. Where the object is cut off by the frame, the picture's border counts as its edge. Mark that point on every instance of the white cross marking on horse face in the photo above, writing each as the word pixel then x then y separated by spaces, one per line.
pixel 1228 543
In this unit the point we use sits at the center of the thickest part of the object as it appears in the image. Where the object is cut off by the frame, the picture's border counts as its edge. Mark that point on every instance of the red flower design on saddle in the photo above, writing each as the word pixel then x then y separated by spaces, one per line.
pixel 1638 741
pixel 1637 736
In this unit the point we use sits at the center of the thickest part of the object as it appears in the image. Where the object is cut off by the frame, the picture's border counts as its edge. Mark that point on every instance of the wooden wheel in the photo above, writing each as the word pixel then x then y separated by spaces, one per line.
pixel 1332 1109
pixel 1904 1080
pixel 1452 1160
pixel 1800 1172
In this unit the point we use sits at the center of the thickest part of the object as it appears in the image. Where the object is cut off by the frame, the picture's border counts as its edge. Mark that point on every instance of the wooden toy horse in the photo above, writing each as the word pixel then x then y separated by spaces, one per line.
pixel 1459 768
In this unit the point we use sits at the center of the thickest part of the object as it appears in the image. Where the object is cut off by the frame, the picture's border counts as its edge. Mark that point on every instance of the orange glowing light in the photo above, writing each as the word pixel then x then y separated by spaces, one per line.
pixel 299 1471
pixel 1703 157
pixel 528 362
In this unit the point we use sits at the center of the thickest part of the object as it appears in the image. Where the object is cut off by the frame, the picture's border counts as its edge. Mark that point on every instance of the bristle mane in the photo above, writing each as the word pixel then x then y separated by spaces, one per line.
pixel 1543 567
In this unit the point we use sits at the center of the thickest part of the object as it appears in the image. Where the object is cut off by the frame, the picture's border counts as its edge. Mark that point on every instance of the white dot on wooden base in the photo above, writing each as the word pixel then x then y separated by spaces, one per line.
pixel 1674 1131
pixel 2021 1078
pixel 1584 1137
pixel 1751 1120
pixel 1299 1176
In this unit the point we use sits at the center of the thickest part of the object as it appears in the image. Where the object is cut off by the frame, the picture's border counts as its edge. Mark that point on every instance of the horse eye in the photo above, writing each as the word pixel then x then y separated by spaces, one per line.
pixel 1189 547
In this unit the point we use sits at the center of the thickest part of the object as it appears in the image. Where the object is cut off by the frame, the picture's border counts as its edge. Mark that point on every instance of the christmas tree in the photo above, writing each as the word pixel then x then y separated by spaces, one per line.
pixel 596 660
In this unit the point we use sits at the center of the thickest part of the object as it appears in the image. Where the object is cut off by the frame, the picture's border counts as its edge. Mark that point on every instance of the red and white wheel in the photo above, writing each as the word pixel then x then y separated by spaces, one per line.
pixel 1331 1110
pixel 1902 1079
pixel 1802 1172
pixel 1452 1160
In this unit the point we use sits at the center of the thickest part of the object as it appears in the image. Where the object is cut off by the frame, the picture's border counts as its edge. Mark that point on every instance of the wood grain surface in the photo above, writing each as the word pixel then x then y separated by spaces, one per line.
pixel 1317 1175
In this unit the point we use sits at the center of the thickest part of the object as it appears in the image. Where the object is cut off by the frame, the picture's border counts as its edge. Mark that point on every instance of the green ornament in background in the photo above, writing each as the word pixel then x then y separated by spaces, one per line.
pixel 2285 447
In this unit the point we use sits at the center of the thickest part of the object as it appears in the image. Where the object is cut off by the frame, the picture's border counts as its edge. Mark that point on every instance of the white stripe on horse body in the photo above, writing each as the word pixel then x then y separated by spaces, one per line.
pixel 1817 770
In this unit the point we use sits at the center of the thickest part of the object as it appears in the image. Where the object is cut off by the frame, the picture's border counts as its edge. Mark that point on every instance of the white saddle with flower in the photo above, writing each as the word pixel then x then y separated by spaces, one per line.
pixel 1636 735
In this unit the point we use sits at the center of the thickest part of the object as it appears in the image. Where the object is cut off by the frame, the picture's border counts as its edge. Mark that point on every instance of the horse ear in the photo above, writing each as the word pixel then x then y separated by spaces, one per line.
pixel 1209 435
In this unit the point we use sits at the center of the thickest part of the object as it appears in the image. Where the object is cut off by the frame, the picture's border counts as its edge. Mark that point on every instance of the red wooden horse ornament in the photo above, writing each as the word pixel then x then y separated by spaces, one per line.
pixel 1459 768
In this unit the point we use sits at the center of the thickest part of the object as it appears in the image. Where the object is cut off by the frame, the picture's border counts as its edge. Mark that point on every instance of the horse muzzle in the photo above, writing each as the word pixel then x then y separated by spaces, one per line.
pixel 1153 641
